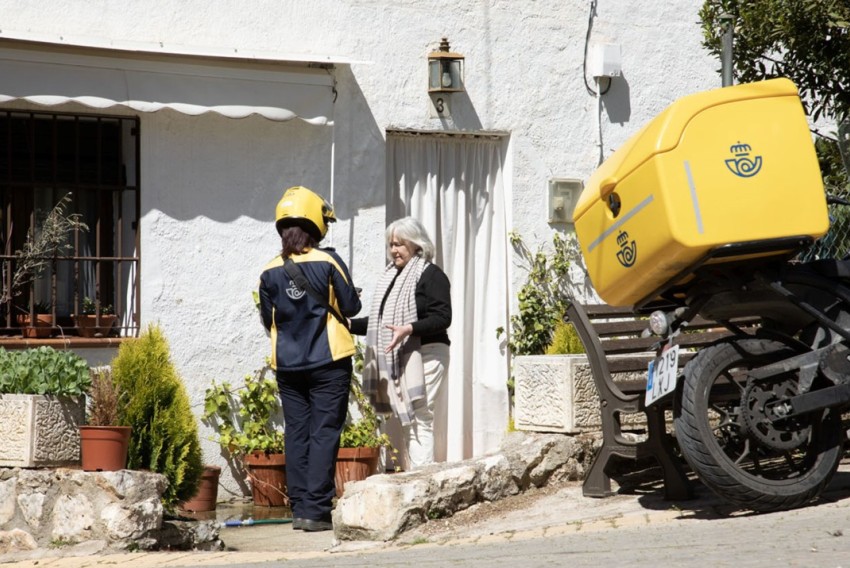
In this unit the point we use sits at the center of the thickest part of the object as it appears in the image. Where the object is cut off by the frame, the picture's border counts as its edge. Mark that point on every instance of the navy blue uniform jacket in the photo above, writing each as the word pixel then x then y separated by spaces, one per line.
pixel 304 334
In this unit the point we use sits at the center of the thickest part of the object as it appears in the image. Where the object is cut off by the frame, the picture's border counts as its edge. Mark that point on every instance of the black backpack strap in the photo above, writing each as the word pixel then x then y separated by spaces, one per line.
pixel 294 271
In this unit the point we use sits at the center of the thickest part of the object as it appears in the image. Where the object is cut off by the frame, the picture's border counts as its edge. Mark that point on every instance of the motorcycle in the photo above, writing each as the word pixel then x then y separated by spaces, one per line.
pixel 758 415
pixel 672 227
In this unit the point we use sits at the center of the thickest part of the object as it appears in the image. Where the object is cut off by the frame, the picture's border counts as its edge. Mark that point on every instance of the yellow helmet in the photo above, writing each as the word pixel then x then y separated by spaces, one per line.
pixel 301 207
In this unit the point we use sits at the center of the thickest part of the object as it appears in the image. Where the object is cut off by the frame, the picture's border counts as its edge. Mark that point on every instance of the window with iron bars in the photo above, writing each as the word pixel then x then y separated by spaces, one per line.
pixel 94 161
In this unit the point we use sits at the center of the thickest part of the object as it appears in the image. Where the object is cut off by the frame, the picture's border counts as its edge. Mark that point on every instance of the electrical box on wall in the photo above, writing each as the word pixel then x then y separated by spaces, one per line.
pixel 563 194
pixel 604 60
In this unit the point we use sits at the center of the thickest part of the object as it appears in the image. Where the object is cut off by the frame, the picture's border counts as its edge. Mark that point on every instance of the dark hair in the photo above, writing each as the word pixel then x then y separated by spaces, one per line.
pixel 295 240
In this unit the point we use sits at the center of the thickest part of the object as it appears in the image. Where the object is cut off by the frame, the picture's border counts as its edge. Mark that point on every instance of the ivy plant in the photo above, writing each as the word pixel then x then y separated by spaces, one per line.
pixel 543 297
pixel 243 417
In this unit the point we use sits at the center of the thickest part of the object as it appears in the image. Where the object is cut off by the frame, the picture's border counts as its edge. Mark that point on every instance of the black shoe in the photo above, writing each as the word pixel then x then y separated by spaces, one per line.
pixel 309 525
pixel 297 524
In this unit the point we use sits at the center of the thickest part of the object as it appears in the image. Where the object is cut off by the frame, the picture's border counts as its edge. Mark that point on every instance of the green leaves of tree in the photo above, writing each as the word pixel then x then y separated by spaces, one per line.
pixel 804 40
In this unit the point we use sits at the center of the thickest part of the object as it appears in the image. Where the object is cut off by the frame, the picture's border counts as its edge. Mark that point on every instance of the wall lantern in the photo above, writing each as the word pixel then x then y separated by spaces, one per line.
pixel 445 70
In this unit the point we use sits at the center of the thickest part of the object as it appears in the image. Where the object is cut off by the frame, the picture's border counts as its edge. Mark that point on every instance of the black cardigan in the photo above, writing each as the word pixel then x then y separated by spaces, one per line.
pixel 433 308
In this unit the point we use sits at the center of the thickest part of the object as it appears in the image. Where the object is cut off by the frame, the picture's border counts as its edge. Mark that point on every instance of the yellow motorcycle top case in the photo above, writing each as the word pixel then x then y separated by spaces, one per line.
pixel 731 165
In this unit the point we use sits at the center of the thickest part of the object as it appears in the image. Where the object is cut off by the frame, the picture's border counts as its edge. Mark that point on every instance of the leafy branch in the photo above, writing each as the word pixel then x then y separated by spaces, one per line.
pixel 45 241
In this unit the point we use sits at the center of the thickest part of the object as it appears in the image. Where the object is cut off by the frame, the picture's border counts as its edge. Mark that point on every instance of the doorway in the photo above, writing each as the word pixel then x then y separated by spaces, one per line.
pixel 457 185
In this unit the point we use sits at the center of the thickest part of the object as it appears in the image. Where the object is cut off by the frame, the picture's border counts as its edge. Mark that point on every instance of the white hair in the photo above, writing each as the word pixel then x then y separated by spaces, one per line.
pixel 411 230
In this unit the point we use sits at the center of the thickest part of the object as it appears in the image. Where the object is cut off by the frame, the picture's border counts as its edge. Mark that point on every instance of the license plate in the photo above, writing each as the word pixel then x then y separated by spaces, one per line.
pixel 662 375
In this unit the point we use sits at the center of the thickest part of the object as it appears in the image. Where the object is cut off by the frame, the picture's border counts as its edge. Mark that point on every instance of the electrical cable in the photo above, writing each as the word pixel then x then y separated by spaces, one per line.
pixel 599 126
pixel 584 62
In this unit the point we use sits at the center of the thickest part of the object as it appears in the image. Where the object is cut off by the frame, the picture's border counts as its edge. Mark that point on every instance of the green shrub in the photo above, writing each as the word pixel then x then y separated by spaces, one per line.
pixel 565 340
pixel 43 370
pixel 165 434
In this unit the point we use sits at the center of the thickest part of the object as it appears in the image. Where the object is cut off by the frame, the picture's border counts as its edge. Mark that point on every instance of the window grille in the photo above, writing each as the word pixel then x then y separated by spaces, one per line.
pixel 94 161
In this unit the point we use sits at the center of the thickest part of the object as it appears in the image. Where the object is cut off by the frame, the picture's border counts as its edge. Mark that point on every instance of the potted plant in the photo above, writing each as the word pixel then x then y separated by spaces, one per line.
pixel 45 240
pixel 95 319
pixel 41 407
pixel 546 354
pixel 361 441
pixel 103 443
pixel 247 422
pixel 205 498
pixel 165 430
pixel 40 325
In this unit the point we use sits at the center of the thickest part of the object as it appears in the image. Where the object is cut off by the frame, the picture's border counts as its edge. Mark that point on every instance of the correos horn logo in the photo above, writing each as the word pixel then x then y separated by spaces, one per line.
pixel 742 165
pixel 627 255
pixel 294 292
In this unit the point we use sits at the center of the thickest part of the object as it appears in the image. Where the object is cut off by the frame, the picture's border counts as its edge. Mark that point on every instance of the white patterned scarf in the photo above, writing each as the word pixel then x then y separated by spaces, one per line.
pixel 395 381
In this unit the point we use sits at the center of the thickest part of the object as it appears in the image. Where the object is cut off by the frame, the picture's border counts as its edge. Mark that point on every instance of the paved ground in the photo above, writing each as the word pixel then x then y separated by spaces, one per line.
pixel 553 526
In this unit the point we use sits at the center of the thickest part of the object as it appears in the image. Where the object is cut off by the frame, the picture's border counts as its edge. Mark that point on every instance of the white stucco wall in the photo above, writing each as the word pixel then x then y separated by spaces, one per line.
pixel 209 184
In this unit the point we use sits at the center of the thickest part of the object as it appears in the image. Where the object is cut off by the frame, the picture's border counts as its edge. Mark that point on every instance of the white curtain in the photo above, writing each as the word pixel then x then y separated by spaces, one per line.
pixel 456 186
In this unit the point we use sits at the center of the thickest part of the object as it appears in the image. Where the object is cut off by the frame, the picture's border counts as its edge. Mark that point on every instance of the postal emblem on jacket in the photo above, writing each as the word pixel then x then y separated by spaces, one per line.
pixel 294 292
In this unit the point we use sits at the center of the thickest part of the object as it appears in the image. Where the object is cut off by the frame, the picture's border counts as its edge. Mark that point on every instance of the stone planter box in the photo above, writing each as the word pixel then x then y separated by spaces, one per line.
pixel 40 430
pixel 556 393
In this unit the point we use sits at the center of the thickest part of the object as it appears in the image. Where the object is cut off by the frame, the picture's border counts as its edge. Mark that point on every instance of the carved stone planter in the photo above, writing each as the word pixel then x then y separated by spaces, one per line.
pixel 548 388
pixel 556 393
pixel 40 430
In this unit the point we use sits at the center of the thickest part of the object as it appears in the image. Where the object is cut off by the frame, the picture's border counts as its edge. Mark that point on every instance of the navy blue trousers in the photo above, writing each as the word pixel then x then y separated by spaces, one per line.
pixel 315 404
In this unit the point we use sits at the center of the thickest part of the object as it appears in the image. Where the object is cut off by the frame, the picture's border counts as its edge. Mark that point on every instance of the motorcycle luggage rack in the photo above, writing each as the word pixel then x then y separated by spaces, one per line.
pixel 779 249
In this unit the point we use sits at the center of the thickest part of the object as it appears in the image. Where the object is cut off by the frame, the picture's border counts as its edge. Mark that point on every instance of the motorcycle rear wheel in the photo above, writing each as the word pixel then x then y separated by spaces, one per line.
pixel 784 469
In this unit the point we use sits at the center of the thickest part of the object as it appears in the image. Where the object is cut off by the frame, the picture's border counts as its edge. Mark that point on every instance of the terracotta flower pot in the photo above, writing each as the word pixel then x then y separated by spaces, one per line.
pixel 267 473
pixel 41 327
pixel 354 464
pixel 207 495
pixel 87 325
pixel 104 448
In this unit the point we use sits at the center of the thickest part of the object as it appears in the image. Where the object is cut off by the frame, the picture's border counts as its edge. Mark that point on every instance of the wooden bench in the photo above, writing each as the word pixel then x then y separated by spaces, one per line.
pixel 612 339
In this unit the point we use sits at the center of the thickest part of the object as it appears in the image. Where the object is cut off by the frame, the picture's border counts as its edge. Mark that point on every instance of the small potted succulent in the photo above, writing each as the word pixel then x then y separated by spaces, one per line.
pixel 95 320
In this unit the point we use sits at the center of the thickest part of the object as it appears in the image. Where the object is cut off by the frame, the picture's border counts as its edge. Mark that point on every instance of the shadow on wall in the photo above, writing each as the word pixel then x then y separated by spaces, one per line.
pixel 617 101
pixel 360 150
pixel 463 115
pixel 224 169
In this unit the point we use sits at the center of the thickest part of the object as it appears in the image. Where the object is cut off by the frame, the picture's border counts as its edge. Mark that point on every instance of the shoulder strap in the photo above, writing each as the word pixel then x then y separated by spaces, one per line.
pixel 294 271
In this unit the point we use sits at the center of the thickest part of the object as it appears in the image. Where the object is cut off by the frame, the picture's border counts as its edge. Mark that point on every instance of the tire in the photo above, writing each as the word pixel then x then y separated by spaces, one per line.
pixel 782 465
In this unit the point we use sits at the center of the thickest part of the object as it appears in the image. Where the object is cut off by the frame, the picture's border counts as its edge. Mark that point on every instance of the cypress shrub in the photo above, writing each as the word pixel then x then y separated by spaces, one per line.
pixel 165 434
pixel 565 340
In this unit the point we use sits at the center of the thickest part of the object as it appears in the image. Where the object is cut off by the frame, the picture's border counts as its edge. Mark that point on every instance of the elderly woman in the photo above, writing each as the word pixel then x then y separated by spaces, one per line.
pixel 407 344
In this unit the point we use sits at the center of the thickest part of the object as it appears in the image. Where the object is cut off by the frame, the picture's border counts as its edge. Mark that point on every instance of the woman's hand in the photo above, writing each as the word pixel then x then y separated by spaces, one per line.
pixel 399 333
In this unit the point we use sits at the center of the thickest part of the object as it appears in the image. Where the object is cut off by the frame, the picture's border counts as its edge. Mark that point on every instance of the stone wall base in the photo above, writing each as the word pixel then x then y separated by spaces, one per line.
pixel 91 511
